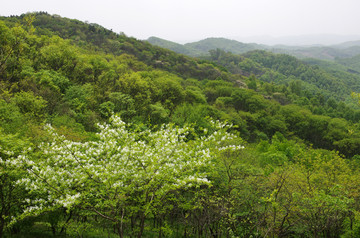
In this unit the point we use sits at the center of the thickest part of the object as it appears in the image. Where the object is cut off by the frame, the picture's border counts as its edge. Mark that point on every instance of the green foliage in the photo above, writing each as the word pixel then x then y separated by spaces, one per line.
pixel 106 109
pixel 158 114
pixel 194 95
pixel 11 118
pixel 52 79
pixel 193 114
pixel 30 105
pixel 280 150
pixel 78 97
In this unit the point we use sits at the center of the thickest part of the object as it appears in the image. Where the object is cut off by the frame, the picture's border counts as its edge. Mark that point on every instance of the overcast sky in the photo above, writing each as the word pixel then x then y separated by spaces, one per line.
pixel 189 20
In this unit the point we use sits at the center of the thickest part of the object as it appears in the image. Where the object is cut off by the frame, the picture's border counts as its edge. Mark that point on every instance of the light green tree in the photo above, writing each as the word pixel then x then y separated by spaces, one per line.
pixel 12 195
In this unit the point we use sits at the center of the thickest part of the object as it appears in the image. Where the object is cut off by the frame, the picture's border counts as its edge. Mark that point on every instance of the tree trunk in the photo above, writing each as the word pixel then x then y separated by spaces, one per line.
pixel 119 230
pixel 160 230
pixel 63 228
pixel 53 230
pixel 2 224
pixel 142 225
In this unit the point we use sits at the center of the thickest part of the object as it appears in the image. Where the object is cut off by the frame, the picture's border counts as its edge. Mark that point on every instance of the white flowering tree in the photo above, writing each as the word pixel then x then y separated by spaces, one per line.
pixel 122 175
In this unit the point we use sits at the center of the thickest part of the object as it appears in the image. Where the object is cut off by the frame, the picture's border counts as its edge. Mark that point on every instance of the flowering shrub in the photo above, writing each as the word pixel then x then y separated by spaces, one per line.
pixel 121 170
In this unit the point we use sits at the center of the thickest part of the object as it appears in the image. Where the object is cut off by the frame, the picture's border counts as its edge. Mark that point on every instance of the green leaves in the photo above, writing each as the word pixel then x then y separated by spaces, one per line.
pixel 30 105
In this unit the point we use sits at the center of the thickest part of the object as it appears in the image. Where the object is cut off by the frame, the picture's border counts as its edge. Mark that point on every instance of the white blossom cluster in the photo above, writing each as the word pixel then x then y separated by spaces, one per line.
pixel 119 162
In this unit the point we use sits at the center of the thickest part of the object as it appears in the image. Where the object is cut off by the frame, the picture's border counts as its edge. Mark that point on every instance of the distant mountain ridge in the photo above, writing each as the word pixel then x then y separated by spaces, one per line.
pixel 202 48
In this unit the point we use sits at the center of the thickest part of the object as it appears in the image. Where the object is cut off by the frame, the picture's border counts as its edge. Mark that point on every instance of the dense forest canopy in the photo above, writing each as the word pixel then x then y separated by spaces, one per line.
pixel 103 135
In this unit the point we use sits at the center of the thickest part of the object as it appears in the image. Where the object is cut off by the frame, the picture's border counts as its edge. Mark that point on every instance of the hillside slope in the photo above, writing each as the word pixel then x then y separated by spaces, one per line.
pixel 104 69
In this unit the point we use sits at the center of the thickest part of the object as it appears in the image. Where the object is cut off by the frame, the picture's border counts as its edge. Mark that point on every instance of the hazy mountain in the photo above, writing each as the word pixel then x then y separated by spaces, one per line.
pixel 301 40
pixel 347 44
pixel 202 47
pixel 324 52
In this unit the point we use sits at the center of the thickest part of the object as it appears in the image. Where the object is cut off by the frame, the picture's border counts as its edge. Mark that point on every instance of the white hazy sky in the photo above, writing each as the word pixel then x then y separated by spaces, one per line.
pixel 188 20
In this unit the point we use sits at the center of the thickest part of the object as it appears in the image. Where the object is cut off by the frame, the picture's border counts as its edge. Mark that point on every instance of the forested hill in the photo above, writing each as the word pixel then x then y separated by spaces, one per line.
pixel 202 47
pixel 224 44
pixel 352 64
pixel 335 81
pixel 97 65
pixel 104 135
